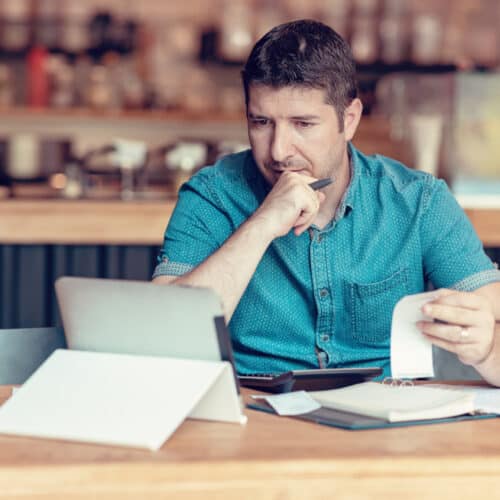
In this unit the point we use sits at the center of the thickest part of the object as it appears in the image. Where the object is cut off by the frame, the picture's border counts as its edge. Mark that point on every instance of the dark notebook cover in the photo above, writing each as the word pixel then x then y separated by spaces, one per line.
pixel 355 422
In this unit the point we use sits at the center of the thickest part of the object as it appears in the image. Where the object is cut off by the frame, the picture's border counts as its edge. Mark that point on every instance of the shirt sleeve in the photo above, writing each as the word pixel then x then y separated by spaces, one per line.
pixel 453 255
pixel 197 228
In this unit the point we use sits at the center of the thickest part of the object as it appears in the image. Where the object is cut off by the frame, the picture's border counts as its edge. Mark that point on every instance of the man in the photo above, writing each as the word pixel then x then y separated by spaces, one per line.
pixel 310 278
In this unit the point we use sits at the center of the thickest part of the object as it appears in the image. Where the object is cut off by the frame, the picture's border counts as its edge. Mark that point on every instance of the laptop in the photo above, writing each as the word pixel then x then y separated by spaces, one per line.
pixel 136 389
pixel 136 317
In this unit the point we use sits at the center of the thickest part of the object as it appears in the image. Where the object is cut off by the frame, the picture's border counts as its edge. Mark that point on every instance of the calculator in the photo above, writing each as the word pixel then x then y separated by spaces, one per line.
pixel 318 379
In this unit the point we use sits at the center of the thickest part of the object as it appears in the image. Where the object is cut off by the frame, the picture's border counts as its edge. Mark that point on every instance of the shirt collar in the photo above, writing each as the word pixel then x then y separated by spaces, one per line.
pixel 255 179
pixel 347 202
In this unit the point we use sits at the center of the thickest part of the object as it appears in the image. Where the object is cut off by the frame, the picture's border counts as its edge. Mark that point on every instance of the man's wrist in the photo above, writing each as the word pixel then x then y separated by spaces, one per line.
pixel 492 353
pixel 263 227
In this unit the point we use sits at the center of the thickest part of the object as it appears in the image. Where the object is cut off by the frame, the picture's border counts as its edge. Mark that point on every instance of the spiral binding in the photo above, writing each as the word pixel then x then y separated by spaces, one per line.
pixel 397 382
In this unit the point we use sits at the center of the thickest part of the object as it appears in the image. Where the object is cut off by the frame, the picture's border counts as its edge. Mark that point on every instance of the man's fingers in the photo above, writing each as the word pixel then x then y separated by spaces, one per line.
pixel 308 214
pixel 321 196
pixel 464 300
pixel 450 314
pixel 303 222
pixel 467 353
pixel 449 333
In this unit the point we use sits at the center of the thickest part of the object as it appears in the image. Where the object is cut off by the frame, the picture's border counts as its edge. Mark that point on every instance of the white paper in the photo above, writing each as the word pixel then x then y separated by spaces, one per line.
pixel 291 403
pixel 411 352
pixel 396 403
pixel 116 399
pixel 486 399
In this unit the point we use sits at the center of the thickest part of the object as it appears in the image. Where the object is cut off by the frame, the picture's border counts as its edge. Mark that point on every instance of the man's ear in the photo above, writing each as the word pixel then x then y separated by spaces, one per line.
pixel 352 116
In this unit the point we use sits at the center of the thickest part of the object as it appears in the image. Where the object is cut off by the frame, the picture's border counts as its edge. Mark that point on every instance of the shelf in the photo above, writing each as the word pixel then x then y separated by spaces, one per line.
pixel 127 115
pixel 380 68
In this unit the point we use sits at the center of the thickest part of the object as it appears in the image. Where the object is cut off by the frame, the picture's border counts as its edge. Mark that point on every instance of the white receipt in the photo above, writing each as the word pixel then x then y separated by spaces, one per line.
pixel 291 403
pixel 411 352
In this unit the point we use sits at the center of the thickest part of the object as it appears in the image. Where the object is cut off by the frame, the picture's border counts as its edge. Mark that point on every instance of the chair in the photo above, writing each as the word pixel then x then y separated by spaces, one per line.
pixel 23 350
pixel 448 367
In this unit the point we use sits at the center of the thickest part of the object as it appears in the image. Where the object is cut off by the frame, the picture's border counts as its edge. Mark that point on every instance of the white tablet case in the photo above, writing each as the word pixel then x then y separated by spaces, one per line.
pixel 119 399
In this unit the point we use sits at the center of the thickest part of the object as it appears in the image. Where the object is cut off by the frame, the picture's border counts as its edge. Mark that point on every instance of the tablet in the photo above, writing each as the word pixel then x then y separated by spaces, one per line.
pixel 318 379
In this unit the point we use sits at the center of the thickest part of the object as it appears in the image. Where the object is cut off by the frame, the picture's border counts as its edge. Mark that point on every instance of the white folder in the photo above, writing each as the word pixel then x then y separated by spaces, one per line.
pixel 119 399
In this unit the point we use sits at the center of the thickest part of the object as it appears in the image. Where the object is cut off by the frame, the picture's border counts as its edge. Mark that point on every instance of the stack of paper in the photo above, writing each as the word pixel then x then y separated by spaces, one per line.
pixel 397 403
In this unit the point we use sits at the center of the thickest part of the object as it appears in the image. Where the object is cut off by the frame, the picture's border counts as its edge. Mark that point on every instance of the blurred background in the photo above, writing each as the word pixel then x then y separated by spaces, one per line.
pixel 107 106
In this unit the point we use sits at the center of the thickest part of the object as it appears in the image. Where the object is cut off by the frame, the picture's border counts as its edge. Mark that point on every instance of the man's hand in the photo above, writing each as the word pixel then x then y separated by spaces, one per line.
pixel 465 325
pixel 292 203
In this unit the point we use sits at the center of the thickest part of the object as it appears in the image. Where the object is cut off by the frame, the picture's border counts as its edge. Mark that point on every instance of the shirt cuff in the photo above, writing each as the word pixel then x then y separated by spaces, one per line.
pixel 477 280
pixel 166 267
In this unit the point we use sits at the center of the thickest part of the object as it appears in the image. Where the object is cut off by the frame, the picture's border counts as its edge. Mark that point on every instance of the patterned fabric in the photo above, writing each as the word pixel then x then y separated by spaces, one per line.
pixel 329 293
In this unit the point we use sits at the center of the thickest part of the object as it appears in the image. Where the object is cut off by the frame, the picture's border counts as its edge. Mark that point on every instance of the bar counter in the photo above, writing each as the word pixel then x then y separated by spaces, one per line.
pixel 86 222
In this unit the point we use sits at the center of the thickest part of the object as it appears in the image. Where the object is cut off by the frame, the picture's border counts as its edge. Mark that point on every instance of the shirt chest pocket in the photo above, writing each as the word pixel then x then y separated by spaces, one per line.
pixel 372 305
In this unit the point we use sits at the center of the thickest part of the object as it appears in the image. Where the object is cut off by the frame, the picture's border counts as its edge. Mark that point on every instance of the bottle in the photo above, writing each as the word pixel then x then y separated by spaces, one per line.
pixel 335 13
pixel 74 27
pixel 47 24
pixel 236 37
pixel 23 158
pixel 5 181
pixel 393 32
pixel 100 95
pixel 364 36
pixel 427 36
pixel 38 79
pixel 62 82
pixel 6 87
pixel 15 32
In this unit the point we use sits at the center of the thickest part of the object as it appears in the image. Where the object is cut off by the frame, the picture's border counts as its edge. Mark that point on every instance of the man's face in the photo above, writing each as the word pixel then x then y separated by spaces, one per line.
pixel 292 128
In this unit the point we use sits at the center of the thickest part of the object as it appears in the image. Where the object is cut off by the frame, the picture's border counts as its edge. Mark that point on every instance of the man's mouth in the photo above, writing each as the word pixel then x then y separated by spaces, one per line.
pixel 281 170
pixel 285 168
pixel 280 167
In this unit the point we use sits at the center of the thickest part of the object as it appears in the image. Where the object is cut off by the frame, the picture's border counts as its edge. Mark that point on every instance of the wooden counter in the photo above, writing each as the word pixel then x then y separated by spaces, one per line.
pixel 83 222
pixel 487 224
pixel 131 223
pixel 269 458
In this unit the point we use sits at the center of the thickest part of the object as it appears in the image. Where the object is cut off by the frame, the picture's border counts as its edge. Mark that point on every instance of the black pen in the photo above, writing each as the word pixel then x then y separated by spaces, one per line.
pixel 321 183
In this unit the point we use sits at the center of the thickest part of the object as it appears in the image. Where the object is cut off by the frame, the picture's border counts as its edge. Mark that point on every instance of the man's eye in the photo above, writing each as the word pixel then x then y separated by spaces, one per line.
pixel 261 122
pixel 302 124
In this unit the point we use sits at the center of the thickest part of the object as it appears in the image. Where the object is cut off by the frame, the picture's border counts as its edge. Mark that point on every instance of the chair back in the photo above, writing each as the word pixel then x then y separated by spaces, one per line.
pixel 23 350
pixel 448 367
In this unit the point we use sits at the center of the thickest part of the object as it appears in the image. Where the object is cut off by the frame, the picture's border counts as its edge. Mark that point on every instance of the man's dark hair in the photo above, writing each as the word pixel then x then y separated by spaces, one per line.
pixel 307 54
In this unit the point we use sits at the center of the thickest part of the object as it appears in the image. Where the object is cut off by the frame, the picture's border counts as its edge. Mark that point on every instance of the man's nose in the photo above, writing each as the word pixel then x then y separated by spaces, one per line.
pixel 281 146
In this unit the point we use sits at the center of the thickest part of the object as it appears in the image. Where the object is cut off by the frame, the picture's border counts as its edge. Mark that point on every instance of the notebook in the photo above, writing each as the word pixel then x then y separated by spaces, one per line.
pixel 372 405
pixel 397 403
pixel 354 422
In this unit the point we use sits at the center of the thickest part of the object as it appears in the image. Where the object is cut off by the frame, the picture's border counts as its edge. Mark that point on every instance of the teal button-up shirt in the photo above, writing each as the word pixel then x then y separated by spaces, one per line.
pixel 329 294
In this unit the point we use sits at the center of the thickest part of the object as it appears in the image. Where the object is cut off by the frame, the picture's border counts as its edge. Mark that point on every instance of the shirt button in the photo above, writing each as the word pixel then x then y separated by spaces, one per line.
pixel 325 337
pixel 324 292
pixel 319 238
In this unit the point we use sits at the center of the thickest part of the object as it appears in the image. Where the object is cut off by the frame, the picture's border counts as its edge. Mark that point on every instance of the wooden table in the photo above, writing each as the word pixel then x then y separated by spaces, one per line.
pixel 269 458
